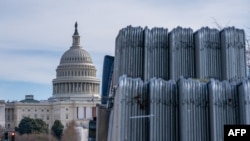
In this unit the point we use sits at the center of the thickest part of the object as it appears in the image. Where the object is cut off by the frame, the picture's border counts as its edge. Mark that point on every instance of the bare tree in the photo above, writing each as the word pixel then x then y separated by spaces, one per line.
pixel 219 25
pixel 247 44
pixel 70 133
pixel 35 137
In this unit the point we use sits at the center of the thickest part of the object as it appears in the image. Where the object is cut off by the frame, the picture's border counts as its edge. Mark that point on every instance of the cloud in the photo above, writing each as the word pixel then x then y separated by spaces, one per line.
pixel 47 26
pixel 27 67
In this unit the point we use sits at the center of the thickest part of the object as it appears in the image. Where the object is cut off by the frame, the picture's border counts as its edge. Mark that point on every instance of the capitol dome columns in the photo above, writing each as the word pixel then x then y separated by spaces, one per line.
pixel 75 87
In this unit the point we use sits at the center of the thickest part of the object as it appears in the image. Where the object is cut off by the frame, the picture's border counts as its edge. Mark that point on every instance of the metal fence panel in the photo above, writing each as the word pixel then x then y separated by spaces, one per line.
pixel 233 54
pixel 207 53
pixel 193 110
pixel 110 126
pixel 223 104
pixel 244 101
pixel 181 53
pixel 132 124
pixel 129 53
pixel 156 55
pixel 163 109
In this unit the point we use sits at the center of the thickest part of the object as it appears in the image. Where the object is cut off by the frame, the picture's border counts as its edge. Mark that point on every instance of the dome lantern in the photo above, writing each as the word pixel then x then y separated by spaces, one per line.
pixel 76 37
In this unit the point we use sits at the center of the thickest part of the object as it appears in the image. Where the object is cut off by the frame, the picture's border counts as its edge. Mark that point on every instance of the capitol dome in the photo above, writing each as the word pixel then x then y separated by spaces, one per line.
pixel 76 55
pixel 76 74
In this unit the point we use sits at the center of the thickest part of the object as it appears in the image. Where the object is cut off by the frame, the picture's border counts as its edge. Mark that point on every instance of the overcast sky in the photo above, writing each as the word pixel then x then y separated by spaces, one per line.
pixel 35 33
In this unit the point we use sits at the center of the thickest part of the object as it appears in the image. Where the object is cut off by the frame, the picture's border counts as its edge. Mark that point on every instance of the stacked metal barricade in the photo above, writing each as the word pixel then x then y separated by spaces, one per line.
pixel 156 103
pixel 193 110
pixel 129 53
pixel 163 110
pixel 233 54
pixel 244 101
pixel 208 53
pixel 181 53
pixel 131 107
pixel 224 107
pixel 156 53
pixel 189 110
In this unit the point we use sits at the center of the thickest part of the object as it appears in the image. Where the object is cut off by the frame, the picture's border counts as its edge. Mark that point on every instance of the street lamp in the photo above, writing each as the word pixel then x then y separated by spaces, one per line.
pixel 13 134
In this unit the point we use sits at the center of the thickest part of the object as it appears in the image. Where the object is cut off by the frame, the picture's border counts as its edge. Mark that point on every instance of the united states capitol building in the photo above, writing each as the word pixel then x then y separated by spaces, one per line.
pixel 75 93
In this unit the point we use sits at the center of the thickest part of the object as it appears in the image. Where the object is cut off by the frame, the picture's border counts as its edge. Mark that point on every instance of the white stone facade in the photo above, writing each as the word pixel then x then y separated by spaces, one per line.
pixel 65 111
pixel 2 114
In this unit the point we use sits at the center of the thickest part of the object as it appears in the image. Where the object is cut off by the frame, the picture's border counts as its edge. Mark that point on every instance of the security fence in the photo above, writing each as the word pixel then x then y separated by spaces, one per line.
pixel 179 85
pixel 204 54
pixel 186 110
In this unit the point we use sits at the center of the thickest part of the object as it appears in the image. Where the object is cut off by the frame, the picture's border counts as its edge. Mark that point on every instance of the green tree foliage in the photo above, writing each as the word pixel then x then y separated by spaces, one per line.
pixel 28 125
pixel 25 126
pixel 57 129
pixel 40 126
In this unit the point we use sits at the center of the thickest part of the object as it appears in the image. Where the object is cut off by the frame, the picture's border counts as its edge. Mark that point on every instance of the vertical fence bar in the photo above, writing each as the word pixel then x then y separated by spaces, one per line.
pixel 244 101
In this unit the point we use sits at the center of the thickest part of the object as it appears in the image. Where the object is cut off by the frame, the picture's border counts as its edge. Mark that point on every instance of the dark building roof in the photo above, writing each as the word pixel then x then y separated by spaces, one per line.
pixel 29 99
